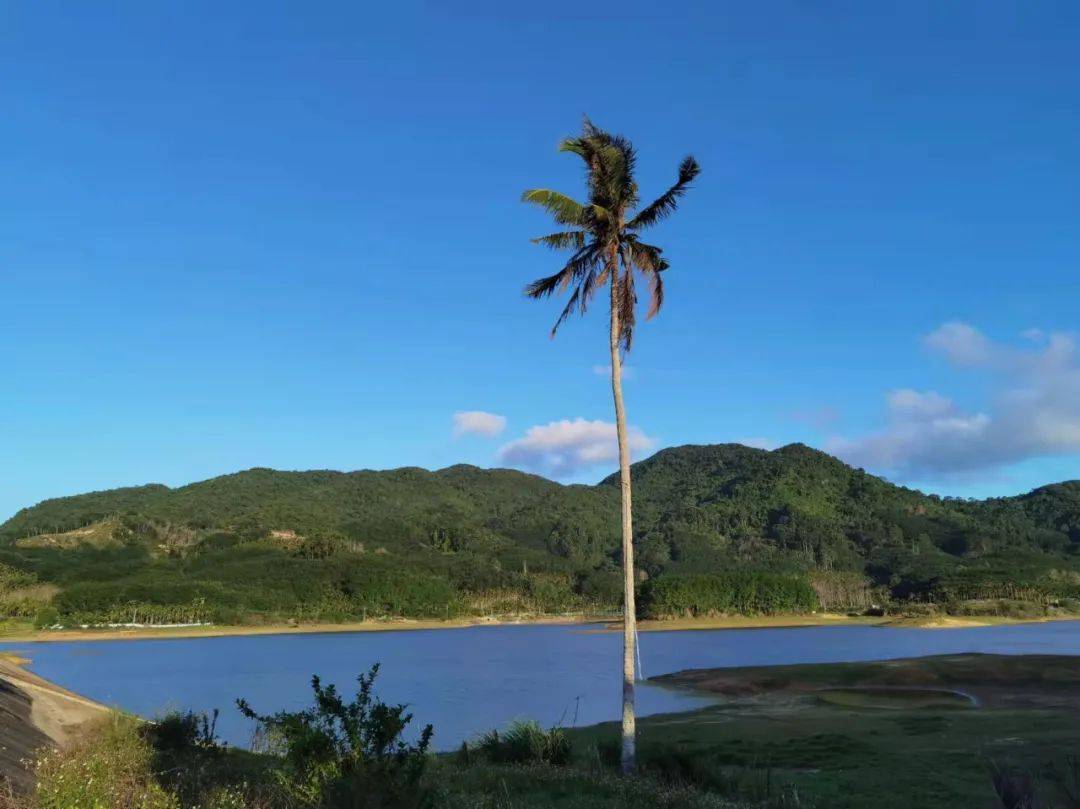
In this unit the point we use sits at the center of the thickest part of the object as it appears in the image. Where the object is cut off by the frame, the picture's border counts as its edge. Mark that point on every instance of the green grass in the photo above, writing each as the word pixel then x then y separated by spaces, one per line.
pixel 533 787
pixel 842 757
pixel 845 743
pixel 905 699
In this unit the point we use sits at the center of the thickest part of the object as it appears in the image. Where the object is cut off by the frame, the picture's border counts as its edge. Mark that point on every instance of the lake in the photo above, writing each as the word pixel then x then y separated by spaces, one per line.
pixel 466 681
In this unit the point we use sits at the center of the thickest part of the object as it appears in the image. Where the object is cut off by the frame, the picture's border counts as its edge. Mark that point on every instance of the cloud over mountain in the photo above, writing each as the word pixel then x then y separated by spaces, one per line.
pixel 1034 409
pixel 565 447
pixel 477 422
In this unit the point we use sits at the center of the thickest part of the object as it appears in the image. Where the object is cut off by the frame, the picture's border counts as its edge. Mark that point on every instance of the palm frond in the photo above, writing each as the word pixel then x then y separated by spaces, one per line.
pixel 583 144
pixel 610 162
pixel 650 261
pixel 622 161
pixel 626 300
pixel 575 269
pixel 622 153
pixel 664 205
pixel 599 215
pixel 563 209
pixel 656 295
pixel 615 179
pixel 542 287
pixel 575 145
pixel 570 304
pixel 563 240
pixel 646 257
pixel 589 286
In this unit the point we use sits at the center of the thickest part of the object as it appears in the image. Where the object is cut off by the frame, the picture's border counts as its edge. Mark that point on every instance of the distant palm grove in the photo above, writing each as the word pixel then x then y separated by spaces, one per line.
pixel 719 530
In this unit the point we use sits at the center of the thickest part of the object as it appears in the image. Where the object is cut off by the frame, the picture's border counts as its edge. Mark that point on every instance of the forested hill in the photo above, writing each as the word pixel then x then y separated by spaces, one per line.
pixel 463 539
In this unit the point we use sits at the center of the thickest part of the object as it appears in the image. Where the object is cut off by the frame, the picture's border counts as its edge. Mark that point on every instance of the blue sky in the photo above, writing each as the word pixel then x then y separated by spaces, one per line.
pixel 289 235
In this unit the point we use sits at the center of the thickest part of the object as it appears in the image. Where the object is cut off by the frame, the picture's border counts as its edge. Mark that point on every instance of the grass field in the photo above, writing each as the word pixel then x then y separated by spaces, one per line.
pixel 883 735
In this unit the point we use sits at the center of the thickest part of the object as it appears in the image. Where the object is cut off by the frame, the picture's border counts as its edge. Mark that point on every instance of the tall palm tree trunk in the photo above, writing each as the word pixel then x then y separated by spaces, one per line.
pixel 629 616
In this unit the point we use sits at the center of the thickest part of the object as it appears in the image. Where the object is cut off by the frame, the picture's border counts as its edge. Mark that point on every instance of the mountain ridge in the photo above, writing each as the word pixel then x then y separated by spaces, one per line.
pixel 469 538
pixel 609 480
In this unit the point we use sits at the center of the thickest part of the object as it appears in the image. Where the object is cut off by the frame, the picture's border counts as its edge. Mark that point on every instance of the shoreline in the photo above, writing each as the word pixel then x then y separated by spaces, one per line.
pixel 317 628
pixel 837 619
pixel 37 714
pixel 606 622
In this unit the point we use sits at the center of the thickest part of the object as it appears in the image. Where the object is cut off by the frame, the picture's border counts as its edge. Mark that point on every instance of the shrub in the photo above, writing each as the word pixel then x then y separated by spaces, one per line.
pixel 527 743
pixel 1069 605
pixel 187 754
pixel 1019 789
pixel 228 798
pixel 1014 789
pixel 340 754
pixel 1008 608
pixel 601 587
pixel 110 767
pixel 46 617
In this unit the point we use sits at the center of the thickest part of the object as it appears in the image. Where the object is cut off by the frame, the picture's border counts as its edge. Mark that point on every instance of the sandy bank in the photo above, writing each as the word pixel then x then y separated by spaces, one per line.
pixel 834 619
pixel 759 622
pixel 218 631
pixel 967 621
pixel 606 623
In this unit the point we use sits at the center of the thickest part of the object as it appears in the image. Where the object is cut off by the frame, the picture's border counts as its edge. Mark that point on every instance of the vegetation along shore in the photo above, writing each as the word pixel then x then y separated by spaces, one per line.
pixel 944 731
pixel 722 531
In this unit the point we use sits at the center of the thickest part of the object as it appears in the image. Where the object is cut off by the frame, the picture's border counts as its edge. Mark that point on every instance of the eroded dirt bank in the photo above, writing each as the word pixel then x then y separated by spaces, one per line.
pixel 34 714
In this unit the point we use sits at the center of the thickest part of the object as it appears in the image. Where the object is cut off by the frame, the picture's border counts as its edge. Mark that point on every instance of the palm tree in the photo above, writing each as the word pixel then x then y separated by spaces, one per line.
pixel 603 234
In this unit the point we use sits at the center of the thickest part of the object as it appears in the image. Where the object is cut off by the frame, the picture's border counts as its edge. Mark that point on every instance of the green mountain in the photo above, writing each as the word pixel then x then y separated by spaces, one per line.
pixel 721 527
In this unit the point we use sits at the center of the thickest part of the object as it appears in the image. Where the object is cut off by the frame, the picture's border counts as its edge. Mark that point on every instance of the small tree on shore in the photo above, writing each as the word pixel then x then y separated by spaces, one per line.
pixel 347 755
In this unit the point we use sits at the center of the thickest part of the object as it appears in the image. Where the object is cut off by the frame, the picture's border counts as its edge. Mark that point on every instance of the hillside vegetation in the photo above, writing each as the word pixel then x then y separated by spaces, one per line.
pixel 720 529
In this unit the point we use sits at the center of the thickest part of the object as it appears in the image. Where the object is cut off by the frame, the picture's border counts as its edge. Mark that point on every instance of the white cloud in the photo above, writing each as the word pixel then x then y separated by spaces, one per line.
pixel 1034 411
pixel 960 343
pixel 562 448
pixel 911 404
pixel 477 422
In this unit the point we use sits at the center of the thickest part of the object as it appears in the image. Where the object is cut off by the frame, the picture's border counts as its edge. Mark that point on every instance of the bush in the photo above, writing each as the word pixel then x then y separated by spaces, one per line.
pixel 1071 605
pixel 46 617
pixel 347 755
pixel 187 755
pixel 601 587
pixel 1004 607
pixel 527 743
pixel 1017 788
pixel 109 768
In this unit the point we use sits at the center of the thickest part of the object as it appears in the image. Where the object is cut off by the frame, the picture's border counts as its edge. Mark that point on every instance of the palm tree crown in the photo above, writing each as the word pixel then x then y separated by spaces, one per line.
pixel 604 231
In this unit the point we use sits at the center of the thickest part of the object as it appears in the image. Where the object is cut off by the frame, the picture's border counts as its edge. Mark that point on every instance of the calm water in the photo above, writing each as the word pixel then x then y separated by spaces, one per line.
pixel 466 681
